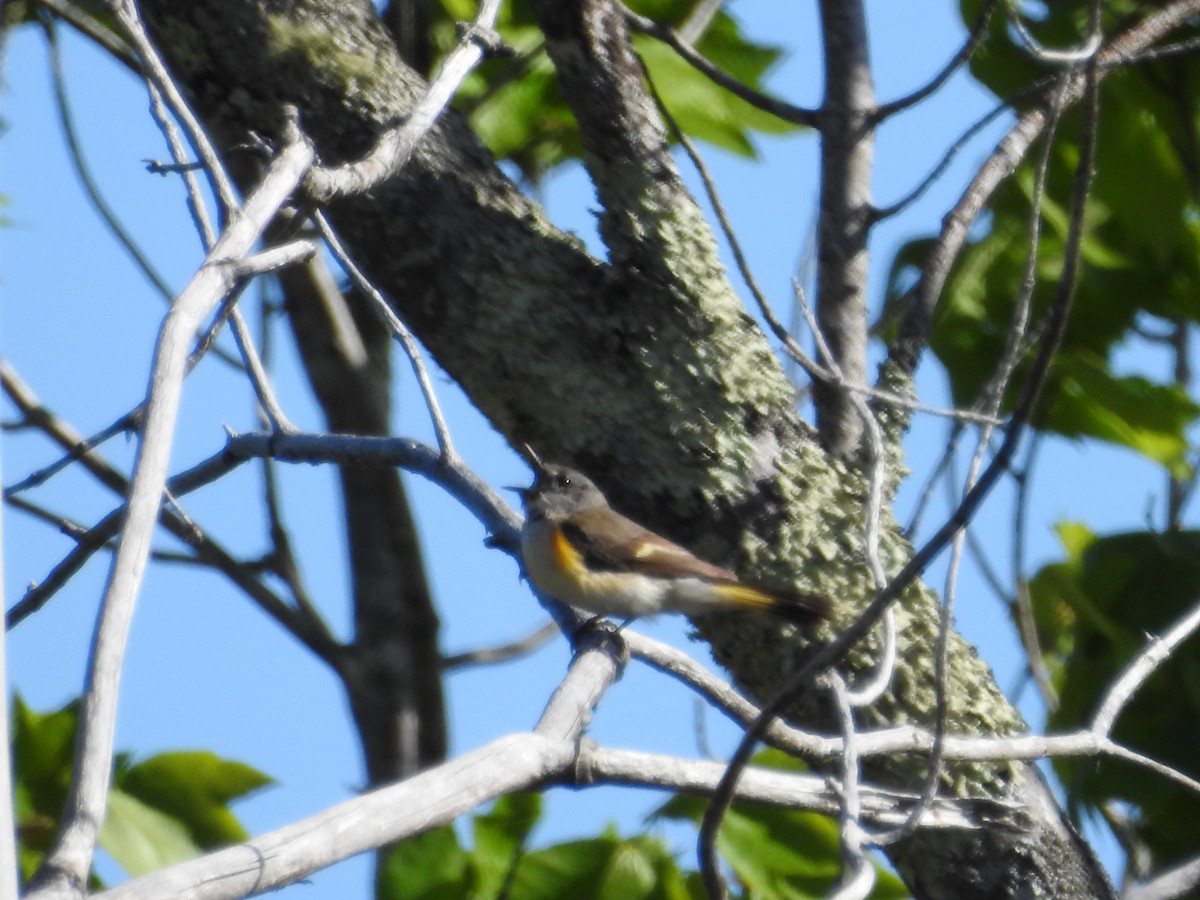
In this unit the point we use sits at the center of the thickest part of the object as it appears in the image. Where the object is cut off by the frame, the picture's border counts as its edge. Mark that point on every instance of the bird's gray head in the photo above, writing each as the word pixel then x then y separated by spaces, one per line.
pixel 558 492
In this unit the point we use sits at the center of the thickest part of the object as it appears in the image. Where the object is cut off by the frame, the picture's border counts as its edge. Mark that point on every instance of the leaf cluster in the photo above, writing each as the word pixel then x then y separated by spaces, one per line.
pixel 1141 251
pixel 515 107
pixel 1093 612
pixel 162 810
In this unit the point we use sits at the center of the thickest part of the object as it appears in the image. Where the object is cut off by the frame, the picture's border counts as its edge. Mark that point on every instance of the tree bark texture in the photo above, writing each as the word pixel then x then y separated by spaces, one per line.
pixel 645 372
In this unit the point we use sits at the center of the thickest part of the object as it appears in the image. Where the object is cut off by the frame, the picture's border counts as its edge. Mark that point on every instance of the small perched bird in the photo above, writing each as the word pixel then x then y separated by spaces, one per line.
pixel 581 551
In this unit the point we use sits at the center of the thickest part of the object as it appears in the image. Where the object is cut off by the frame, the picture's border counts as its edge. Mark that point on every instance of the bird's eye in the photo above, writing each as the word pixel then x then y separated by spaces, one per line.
pixel 562 480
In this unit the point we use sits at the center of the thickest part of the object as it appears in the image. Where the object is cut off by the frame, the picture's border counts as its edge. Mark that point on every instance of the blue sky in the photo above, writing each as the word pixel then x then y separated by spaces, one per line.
pixel 205 670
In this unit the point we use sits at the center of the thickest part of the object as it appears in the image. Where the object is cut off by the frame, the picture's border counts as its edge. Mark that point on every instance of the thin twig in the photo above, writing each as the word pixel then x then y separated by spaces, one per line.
pixel 978 30
pixel 477 496
pixel 69 527
pixel 160 81
pixel 1154 654
pixel 873 689
pixel 91 27
pixel 781 109
pixel 502 652
pixel 398 329
pixel 1070 57
pixel 858 875
pixel 1022 602
pixel 925 496
pixel 1177 881
pixel 84 172
pixel 1157 54
pixel 305 623
pixel 161 85
pixel 282 560
pixel 84 448
pixel 1003 108
pixel 258 377
pixel 790 345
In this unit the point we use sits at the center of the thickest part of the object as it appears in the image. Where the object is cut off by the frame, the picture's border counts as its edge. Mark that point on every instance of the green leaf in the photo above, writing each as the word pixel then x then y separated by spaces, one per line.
pixel 516 108
pixel 141 838
pixel 701 108
pixel 500 839
pixel 43 751
pixel 604 868
pixel 160 811
pixel 431 866
pixel 1104 599
pixel 1086 399
pixel 780 853
pixel 524 120
pixel 194 788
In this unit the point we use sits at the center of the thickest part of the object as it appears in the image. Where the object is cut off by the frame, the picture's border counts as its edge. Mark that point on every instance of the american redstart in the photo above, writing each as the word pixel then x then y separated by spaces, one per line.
pixel 581 551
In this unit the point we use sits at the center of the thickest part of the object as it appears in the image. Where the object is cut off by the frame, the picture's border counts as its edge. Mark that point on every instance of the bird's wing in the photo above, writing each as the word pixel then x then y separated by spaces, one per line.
pixel 610 542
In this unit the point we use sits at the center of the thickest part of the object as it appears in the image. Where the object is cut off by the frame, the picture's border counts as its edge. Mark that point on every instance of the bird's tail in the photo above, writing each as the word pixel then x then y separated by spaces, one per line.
pixel 796 606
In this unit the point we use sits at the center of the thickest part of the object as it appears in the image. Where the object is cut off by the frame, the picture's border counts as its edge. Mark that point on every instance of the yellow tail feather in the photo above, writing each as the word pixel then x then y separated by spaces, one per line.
pixel 794 606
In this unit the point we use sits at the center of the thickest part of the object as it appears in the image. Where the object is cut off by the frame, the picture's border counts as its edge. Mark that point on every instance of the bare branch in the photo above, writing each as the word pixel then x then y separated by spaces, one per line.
pixel 161 83
pixel 553 753
pixel 513 763
pixel 303 623
pixel 1155 653
pixel 395 146
pixel 1177 881
pixel 66 866
pixel 939 169
pixel 858 875
pixel 276 258
pixel 78 448
pixel 845 216
pixel 868 693
pixel 259 379
pixel 434 797
pixel 476 495
pixel 720 693
pixel 1075 55
pixel 69 527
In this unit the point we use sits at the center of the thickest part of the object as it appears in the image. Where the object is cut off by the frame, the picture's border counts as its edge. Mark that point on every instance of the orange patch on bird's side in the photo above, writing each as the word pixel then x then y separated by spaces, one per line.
pixel 566 556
